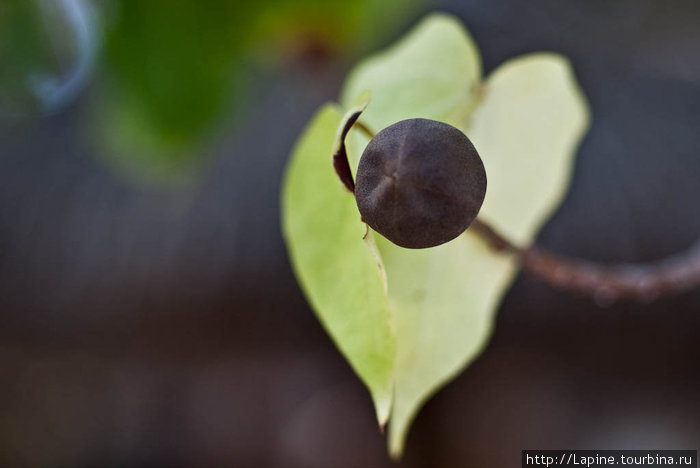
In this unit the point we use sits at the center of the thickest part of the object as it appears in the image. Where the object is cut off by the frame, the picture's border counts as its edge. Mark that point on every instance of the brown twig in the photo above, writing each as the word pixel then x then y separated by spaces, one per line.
pixel 605 283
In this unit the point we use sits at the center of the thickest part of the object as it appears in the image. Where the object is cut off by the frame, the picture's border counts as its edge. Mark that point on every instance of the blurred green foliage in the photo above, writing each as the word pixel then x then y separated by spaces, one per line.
pixel 173 68
pixel 169 69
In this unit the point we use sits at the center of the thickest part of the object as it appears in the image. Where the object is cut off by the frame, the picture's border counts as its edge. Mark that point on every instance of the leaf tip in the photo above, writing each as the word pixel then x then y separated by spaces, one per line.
pixel 396 446
pixel 382 405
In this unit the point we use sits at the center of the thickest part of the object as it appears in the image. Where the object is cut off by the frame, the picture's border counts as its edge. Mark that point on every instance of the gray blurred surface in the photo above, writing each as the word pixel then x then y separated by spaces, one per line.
pixel 163 327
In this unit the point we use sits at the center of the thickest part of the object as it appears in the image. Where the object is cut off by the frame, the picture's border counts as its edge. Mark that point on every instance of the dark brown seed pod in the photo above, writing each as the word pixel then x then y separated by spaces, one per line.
pixel 420 183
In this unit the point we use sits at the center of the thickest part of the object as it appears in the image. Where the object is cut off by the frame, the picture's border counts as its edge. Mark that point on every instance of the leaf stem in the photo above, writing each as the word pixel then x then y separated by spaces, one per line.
pixel 605 283
pixel 364 129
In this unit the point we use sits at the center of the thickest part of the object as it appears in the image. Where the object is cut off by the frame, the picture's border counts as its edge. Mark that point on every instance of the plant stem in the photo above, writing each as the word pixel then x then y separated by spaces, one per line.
pixel 364 129
pixel 605 283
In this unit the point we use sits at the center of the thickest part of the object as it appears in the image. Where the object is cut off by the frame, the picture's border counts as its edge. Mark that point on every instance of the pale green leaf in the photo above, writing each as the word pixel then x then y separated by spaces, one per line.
pixel 338 268
pixel 443 300
pixel 527 130
pixel 433 73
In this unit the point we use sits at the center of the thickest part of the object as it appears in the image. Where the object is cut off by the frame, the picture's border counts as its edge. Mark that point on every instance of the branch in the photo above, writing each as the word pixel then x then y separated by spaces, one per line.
pixel 605 283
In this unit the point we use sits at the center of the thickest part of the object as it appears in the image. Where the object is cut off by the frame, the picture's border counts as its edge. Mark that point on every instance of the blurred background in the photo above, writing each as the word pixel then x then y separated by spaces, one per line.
pixel 148 313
